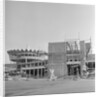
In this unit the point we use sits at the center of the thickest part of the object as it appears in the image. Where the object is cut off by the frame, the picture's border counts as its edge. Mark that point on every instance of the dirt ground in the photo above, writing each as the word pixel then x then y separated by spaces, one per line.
pixel 45 86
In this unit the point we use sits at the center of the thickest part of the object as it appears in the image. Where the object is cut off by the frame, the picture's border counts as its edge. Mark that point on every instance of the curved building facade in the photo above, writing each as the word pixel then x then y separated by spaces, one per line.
pixel 30 63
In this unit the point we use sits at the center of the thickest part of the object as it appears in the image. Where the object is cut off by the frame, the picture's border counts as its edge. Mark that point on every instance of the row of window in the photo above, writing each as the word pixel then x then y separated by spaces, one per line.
pixel 31 54
pixel 28 60
pixel 34 64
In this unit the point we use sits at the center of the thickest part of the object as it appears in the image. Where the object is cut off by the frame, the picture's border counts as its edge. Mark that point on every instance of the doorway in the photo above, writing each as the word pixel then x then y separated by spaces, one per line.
pixel 74 69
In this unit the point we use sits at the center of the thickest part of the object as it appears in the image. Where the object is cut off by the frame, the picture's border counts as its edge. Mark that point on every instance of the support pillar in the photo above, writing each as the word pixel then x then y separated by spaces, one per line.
pixel 29 73
pixel 40 73
pixel 37 73
pixel 26 60
pixel 43 72
pixel 33 72
pixel 38 64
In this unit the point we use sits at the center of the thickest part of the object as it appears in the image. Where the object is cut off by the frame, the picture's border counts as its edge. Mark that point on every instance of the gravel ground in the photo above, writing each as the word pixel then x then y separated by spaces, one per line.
pixel 44 86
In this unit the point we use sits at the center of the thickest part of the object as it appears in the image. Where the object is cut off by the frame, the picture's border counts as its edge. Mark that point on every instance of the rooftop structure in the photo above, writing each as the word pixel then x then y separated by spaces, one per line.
pixel 20 55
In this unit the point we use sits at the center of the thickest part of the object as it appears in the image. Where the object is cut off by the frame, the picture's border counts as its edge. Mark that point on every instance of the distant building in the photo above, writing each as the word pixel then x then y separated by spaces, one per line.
pixel 10 68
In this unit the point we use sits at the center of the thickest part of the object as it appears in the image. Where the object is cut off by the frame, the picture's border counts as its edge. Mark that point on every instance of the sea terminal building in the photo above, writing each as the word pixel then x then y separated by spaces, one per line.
pixel 30 63
pixel 66 58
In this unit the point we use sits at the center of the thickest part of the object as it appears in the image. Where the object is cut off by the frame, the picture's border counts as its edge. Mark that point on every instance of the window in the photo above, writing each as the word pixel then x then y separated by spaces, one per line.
pixel 32 64
pixel 36 64
pixel 28 65
pixel 39 64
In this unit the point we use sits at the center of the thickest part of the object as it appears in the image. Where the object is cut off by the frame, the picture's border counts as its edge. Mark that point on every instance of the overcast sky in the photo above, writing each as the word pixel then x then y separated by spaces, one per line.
pixel 35 24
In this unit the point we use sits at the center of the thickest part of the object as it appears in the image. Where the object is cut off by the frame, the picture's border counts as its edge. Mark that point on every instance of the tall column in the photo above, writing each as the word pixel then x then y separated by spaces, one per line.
pixel 37 73
pixel 29 73
pixel 37 63
pixel 41 72
pixel 26 60
pixel 25 73
pixel 33 72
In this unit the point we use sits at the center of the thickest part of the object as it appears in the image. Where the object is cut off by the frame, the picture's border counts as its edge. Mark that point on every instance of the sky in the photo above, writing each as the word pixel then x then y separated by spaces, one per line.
pixel 34 25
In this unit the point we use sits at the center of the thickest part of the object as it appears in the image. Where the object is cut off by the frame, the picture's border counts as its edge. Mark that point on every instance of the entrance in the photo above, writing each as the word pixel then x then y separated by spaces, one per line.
pixel 74 69
pixel 36 73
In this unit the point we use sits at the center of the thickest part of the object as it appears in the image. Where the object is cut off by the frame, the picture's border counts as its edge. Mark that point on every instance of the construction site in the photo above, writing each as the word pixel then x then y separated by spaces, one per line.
pixel 69 65
pixel 69 58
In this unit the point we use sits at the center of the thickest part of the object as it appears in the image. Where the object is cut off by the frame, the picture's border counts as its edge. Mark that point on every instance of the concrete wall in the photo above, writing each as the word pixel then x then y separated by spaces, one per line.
pixel 58 47
pixel 91 57
pixel 57 58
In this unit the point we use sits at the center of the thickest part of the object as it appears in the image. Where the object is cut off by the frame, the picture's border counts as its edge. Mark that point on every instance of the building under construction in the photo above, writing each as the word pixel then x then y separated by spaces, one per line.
pixel 70 58
pixel 29 63
pixel 65 58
